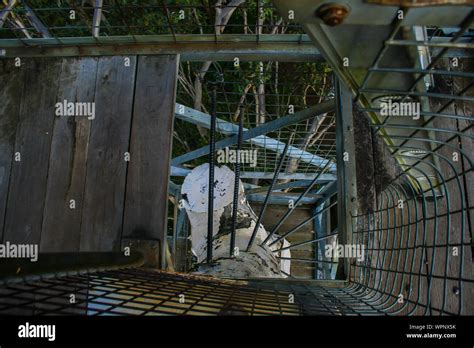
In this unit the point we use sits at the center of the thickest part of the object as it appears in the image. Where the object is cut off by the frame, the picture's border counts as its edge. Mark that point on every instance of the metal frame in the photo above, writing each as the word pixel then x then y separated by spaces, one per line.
pixel 409 251
pixel 256 135
pixel 346 175
pixel 401 252
pixel 285 47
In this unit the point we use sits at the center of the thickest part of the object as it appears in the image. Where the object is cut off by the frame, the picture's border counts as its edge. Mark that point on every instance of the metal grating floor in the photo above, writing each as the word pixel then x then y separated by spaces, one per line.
pixel 140 291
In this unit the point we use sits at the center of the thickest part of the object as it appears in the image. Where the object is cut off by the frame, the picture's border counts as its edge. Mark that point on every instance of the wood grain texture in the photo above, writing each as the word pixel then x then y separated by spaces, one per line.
pixel 67 168
pixel 146 207
pixel 33 140
pixel 106 168
pixel 64 158
pixel 11 82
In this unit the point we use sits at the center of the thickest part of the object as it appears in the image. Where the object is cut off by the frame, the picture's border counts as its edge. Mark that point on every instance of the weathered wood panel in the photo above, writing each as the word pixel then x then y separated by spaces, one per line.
pixel 150 148
pixel 33 140
pixel 106 167
pixel 67 167
pixel 11 88
pixel 66 158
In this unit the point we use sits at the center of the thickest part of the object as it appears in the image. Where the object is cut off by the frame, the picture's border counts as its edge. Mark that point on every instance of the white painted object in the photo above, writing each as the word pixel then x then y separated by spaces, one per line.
pixel 259 261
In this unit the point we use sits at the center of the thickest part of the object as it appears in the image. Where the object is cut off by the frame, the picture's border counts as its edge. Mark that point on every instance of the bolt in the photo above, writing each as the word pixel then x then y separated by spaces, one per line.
pixel 332 14
pixel 456 290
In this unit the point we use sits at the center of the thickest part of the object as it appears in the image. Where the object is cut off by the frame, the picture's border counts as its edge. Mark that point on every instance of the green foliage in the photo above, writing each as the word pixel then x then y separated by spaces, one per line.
pixel 297 84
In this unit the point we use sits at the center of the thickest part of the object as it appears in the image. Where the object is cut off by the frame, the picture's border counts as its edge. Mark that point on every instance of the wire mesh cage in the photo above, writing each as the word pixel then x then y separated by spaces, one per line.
pixel 418 233
pixel 414 223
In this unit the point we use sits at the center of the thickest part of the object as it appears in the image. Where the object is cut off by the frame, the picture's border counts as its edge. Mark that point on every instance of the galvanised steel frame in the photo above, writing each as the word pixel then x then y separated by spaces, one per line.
pixel 418 239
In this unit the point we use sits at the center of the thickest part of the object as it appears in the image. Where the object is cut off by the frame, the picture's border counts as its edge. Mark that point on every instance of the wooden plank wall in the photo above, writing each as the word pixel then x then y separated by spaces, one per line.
pixel 11 90
pixel 73 189
pixel 27 190
pixel 68 160
pixel 147 181
pixel 106 166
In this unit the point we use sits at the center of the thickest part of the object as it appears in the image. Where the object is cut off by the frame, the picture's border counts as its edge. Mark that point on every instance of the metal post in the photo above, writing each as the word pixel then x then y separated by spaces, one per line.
pixel 346 170
pixel 270 189
pixel 295 205
pixel 212 147
pixel 320 225
pixel 301 224
pixel 236 183
pixel 97 18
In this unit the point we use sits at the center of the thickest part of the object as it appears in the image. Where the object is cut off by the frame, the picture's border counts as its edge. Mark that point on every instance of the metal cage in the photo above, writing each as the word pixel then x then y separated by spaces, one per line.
pixel 416 229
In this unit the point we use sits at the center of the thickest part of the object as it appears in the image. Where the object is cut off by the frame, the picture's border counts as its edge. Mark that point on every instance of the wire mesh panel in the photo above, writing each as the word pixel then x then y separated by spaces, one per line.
pixel 418 237
pixel 410 70
pixel 264 94
pixel 124 21
pixel 150 292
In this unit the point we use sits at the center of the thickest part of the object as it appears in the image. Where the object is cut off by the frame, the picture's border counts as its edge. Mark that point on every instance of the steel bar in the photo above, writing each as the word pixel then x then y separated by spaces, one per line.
pixel 212 144
pixel 420 71
pixel 35 21
pixel 346 174
pixel 270 189
pixel 281 198
pixel 396 25
pixel 321 227
pixel 261 130
pixel 17 270
pixel 295 205
pixel 317 240
pixel 202 119
pixel 97 18
pixel 291 184
pixel 303 223
pixel 443 44
pixel 295 259
pixel 457 37
pixel 284 48
pixel 464 27
pixel 407 251
pixel 236 183
pixel 418 94
pixel 325 178
pixel 424 113
pixel 327 191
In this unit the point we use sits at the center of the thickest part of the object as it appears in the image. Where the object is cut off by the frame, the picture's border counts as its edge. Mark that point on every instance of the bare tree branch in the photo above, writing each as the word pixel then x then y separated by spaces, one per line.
pixel 16 23
pixel 5 11
pixel 223 14
pixel 241 102
pixel 35 21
